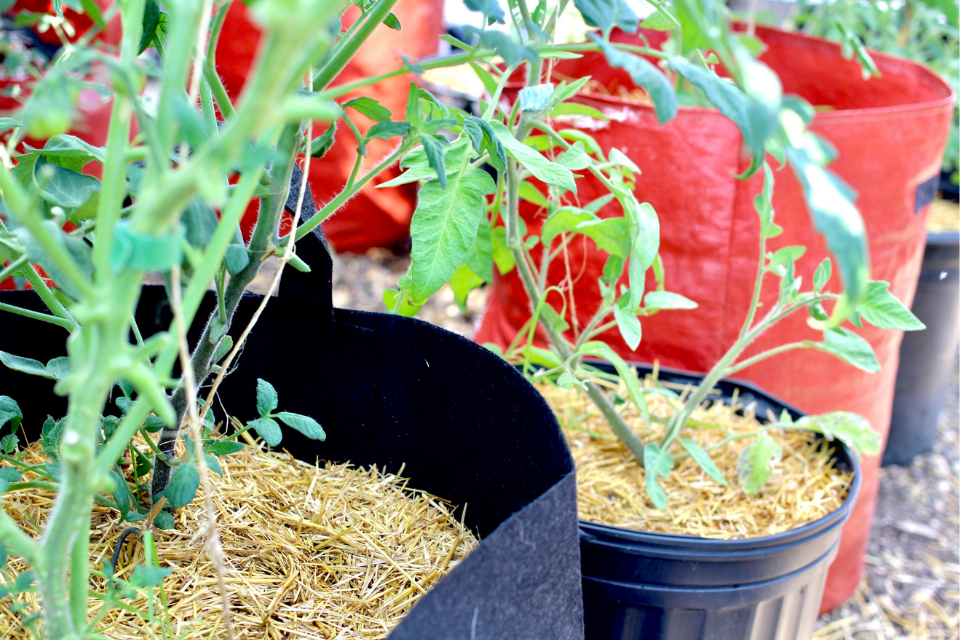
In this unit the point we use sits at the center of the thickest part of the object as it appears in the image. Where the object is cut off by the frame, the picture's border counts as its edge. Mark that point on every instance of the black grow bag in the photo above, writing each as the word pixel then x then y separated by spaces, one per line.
pixel 639 585
pixel 394 391
pixel 928 357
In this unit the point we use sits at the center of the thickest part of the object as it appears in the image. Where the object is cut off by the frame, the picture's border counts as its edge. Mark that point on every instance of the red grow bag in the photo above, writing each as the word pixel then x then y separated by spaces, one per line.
pixel 890 133
pixel 375 217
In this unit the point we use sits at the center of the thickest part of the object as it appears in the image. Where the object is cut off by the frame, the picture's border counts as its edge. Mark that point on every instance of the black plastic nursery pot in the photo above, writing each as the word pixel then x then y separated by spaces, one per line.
pixel 640 585
pixel 928 357
pixel 394 391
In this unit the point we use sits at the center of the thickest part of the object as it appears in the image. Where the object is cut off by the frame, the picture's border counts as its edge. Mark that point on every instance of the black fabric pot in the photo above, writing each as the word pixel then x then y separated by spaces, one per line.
pixel 639 585
pixel 928 357
pixel 948 188
pixel 392 391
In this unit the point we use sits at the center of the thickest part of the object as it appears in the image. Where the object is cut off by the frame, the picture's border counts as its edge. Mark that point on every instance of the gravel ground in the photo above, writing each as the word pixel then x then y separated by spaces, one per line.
pixel 910 589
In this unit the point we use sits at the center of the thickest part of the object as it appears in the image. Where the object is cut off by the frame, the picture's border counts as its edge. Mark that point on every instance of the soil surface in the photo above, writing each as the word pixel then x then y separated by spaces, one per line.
pixel 910 589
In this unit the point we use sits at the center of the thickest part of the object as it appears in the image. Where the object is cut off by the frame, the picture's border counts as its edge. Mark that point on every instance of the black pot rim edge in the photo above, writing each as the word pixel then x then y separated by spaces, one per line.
pixel 943 238
pixel 594 529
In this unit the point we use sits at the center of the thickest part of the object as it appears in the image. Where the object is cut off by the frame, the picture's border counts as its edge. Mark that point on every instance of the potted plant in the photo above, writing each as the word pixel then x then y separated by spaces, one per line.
pixel 717 209
pixel 85 245
pixel 627 235
pixel 928 35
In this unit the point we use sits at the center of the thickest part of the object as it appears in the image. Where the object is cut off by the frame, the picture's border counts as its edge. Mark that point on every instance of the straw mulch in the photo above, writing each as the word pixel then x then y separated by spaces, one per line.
pixel 803 487
pixel 311 552
pixel 944 216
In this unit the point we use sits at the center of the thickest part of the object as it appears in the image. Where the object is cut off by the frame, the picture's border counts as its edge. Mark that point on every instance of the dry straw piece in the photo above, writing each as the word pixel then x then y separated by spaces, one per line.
pixel 944 216
pixel 316 552
pixel 804 486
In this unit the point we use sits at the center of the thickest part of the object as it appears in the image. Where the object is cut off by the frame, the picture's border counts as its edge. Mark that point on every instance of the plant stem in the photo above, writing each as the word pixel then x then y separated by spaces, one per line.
pixel 766 354
pixel 329 72
pixel 36 315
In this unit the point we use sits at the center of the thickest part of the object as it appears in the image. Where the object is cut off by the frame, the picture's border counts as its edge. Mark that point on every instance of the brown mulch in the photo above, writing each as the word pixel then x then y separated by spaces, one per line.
pixel 910 589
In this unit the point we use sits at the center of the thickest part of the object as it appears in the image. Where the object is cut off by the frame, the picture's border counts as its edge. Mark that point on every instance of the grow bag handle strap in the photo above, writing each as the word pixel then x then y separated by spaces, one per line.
pixel 312 292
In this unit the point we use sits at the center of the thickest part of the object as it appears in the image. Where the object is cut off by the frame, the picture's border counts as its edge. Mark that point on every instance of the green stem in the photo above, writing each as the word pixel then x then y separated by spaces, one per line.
pixel 13 267
pixel 328 209
pixel 766 354
pixel 210 74
pixel 36 315
pixel 329 72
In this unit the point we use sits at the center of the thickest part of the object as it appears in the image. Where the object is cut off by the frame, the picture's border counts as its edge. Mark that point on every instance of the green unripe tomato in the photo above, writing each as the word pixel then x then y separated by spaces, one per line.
pixel 49 124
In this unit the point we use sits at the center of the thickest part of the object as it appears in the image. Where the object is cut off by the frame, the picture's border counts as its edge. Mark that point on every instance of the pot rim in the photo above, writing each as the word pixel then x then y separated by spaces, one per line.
pixel 943 238
pixel 595 532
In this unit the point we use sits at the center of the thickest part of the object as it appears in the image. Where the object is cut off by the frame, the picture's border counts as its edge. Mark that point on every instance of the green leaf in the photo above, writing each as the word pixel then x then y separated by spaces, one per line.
pixel 485 141
pixel 8 475
pixel 63 187
pixel 607 14
pixel 822 275
pixel 849 347
pixel 575 158
pixel 881 308
pixel 535 98
pixel 851 429
pixel 199 222
pixel 763 203
pixel 121 493
pixel 151 20
pixel 222 447
pixel 236 258
pixel 629 327
pixel 479 256
pixel 370 108
pixel 144 252
pixel 506 47
pixel 542 168
pixel 532 195
pixel 830 203
pixel 164 520
pixel 731 101
pixel 92 10
pixel 213 464
pixel 145 577
pixel 646 75
pixel 183 486
pixel 609 234
pixel 444 227
pixel 575 135
pixel 10 412
pixel 71 152
pixel 6 124
pixel 267 398
pixel 651 466
pixel 703 459
pixel 25 365
pixel 268 429
pixel 9 443
pixel 564 220
pixel 753 465
pixel 435 147
pixel 392 298
pixel 664 300
pixel 501 253
pixel 419 167
pixel 50 437
pixel 392 22
pixel 304 424
pixel 660 21
pixel 489 8
pixel 574 109
pixel 153 424
pixel 463 281
pixel 320 145
pixel 387 130
pixel 785 255
pixel 627 375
